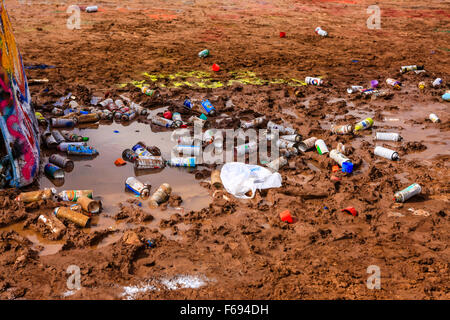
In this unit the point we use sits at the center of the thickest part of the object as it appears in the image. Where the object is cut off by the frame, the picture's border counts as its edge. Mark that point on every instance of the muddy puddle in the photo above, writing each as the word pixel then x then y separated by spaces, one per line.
pixel 108 182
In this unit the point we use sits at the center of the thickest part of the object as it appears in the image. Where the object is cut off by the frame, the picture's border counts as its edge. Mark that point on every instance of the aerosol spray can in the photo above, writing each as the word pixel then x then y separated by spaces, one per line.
pixel 71 215
pixel 291 137
pixel 106 115
pixel 182 162
pixel 208 107
pixel 163 122
pixel 57 112
pixel 63 123
pixel 129 155
pixel 128 116
pixel 321 146
pixel 187 150
pixel 253 123
pixel 277 163
pixel 286 144
pixel 81 150
pixel 344 129
pixel 119 103
pixel 282 129
pixel 394 83
pixel 106 102
pixel 137 187
pixel 288 152
pixel 321 32
pixel 73 195
pixel 307 144
pixel 434 118
pixel 61 162
pixel 65 145
pixel 50 141
pixel 141 151
pixel 388 136
pixel 89 205
pixel 188 104
pixel 138 108
pixel 176 118
pixel 437 82
pixel 405 194
pixel 386 153
pixel 149 92
pixel 246 148
pixel 53 224
pixel 161 195
pixel 58 136
pixel 152 162
pixel 314 81
pixel 53 171
pixel 404 69
pixel 362 125
pixel 32 196
pixel 353 89
pixel 91 9
pixel 90 117
pixel 338 157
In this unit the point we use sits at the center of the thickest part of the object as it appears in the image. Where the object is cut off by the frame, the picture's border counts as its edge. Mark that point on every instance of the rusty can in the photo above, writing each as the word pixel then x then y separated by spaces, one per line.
pixel 89 205
pixel 307 144
pixel 71 215
pixel 161 195
pixel 32 196
pixel 343 129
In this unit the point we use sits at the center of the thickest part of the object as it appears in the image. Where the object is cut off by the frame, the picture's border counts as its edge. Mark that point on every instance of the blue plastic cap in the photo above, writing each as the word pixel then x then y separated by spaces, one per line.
pixel 347 167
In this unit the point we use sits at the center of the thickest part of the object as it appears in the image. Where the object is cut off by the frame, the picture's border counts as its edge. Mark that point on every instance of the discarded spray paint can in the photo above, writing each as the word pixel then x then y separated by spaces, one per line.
pixel 282 129
pixel 160 121
pixel 32 196
pixel 388 136
pixel 188 104
pixel 53 224
pixel 434 118
pixel 128 116
pixel 89 205
pixel 343 129
pixel 394 83
pixel 129 155
pixel 91 9
pixel 437 82
pixel 119 103
pixel 292 137
pixel 90 117
pixel 117 115
pixel 286 144
pixel 364 124
pixel 58 136
pixel 208 107
pixel 288 152
pixel 407 193
pixel 307 144
pixel 57 112
pixel 161 195
pixel 106 115
pixel 61 162
pixel 71 215
pixel 141 151
pixel 65 145
pixel 321 32
pixel 246 148
pixel 138 108
pixel 182 162
pixel 81 150
pixel 253 123
pixel 216 181
pixel 176 118
pixel 321 147
pixel 151 162
pixel 314 81
pixel 50 141
pixel 63 123
pixel 137 187
pixel 277 163
pixel 338 157
pixel 353 89
pixel 404 69
pixel 73 195
pixel 386 153
pixel 72 137
pixel 53 171
pixel 187 150
pixel 149 92
pixel 203 53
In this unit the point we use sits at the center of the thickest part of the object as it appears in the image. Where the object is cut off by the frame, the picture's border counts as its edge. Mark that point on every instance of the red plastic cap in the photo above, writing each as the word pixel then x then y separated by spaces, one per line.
pixel 350 210
pixel 119 162
pixel 167 115
pixel 282 34
pixel 215 67
pixel 286 216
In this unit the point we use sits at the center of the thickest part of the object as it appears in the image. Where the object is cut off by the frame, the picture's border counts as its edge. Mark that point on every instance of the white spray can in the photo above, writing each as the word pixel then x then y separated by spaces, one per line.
pixel 388 136
pixel 386 153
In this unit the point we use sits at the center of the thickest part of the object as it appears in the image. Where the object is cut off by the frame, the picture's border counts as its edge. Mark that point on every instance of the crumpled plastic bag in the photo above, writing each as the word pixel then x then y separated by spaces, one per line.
pixel 239 178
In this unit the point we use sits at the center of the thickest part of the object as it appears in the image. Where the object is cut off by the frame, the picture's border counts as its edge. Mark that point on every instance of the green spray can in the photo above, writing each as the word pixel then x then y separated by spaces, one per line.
pixel 203 53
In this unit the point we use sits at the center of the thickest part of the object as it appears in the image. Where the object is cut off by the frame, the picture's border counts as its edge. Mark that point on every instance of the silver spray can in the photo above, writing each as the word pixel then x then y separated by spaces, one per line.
pixel 434 118
pixel 288 152
pixel 286 144
pixel 187 150
pixel 58 136
pixel 338 157
pixel 386 153
pixel 61 162
pixel 388 136
pixel 253 123
pixel 292 137
pixel 321 146
pixel 277 163
pixel 246 148
pixel 162 122
pixel 307 144
pixel 405 194
pixel 344 129
pixel 137 187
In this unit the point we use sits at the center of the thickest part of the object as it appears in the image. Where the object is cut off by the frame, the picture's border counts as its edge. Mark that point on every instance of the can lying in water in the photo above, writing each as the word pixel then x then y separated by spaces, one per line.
pixel 58 136
pixel 137 187
pixel 128 116
pixel 434 118
pixel 282 129
pixel 63 123
pixel 344 129
pixel 182 162
pixel 53 224
pixel 163 122
pixel 314 81
pixel 277 163
pixel 65 145
pixel 388 136
pixel 73 195
pixel 53 171
pixel 81 150
pixel 151 162
pixel 61 162
pixel 73 216
pixel 252 123
pixel 407 193
pixel 129 155
pixel 161 195
pixel 321 146
pixel 362 125
pixel 187 150
pixel 307 144
pixel 32 196
pixel 89 205
pixel 386 153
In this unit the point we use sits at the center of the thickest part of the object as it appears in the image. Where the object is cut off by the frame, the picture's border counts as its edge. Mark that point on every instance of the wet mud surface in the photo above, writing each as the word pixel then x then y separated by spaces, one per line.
pixel 206 244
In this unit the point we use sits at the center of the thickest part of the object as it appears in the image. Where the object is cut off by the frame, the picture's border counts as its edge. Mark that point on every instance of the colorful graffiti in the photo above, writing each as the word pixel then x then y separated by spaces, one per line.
pixel 17 120
pixel 202 79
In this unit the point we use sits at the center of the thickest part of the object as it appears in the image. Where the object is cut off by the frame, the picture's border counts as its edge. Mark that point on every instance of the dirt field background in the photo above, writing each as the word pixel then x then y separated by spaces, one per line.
pixel 236 249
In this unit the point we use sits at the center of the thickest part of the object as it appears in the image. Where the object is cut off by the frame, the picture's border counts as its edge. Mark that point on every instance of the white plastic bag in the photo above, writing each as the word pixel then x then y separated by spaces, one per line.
pixel 239 178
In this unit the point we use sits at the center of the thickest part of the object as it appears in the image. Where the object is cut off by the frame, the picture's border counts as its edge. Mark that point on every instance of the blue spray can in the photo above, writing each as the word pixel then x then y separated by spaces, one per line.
pixel 209 109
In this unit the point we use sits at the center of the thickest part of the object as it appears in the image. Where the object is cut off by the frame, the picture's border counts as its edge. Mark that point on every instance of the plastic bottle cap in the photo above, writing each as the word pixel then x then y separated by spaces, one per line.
pixel 347 167
pixel 203 117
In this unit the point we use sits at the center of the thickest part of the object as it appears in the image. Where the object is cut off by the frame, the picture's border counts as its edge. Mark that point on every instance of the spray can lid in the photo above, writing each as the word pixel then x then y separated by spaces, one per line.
pixel 347 167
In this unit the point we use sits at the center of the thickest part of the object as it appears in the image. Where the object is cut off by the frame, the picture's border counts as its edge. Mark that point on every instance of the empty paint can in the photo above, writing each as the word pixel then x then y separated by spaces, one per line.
pixel 405 194
pixel 404 69
pixel 73 195
pixel 386 153
pixel 50 141
pixel 91 9
pixel 282 129
pixel 388 136
pixel 321 146
pixel 252 123
pixel 208 107
pixel 161 195
pixel 61 162
pixel 32 196
pixel 283 144
pixel 338 157
pixel 58 136
pixel 434 118
pixel 246 148
pixel 87 118
pixel 162 122
pixel 129 155
pixel 355 89
pixel 307 144
pixel 53 171
pixel 53 224
pixel 288 152
pixel 71 215
pixel 394 83
pixel 187 150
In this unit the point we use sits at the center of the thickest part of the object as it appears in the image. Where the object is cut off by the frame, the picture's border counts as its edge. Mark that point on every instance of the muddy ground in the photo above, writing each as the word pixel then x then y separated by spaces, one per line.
pixel 239 249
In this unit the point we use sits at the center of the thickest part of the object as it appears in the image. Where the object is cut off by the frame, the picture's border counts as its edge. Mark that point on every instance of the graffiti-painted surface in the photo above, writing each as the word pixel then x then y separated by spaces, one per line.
pixel 17 121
